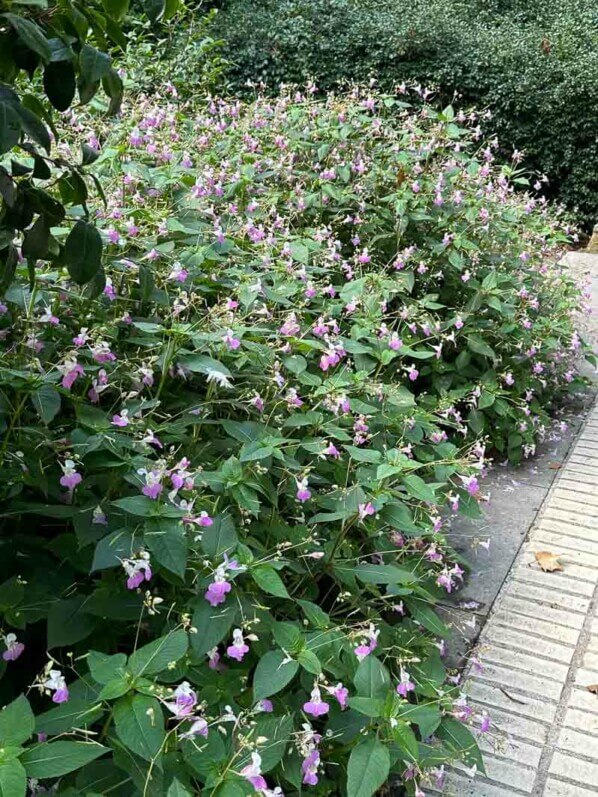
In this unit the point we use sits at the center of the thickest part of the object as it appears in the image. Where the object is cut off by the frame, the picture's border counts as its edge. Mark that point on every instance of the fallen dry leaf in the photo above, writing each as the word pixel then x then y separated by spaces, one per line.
pixel 554 465
pixel 593 688
pixel 549 562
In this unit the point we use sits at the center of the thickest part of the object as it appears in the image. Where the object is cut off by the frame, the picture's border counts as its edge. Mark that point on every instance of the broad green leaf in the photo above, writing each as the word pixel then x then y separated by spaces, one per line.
pixel 460 740
pixel 425 615
pixel 13 779
pixel 220 537
pixel 54 759
pixel 369 767
pixel 139 723
pixel 16 722
pixel 212 624
pixel 93 63
pixel 364 454
pixel 418 488
pixel 372 678
pixel 405 740
pixel 383 574
pixel 268 579
pixel 139 505
pixel 273 672
pixel 60 84
pixel 279 732
pixel 104 667
pixel 478 345
pixel 116 8
pixel 112 549
pixel 155 657
pixel 31 35
pixel 78 712
pixel 68 623
pixel 83 252
pixel 176 789
pixel 309 661
pixel 167 542
pixel 10 127
pixel 368 706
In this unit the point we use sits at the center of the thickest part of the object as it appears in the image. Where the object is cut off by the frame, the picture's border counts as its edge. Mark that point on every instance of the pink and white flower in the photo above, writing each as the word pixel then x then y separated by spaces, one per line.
pixel 238 649
pixel 138 569
pixel 315 705
pixel 13 648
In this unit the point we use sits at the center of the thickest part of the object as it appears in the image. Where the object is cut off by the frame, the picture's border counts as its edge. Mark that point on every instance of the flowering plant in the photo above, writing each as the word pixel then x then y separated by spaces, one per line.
pixel 231 459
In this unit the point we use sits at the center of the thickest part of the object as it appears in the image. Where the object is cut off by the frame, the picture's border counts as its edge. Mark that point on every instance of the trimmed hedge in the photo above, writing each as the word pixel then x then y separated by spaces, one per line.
pixel 535 68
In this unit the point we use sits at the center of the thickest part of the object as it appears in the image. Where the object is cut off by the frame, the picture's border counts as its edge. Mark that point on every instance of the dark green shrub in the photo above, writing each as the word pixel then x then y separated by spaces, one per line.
pixel 535 68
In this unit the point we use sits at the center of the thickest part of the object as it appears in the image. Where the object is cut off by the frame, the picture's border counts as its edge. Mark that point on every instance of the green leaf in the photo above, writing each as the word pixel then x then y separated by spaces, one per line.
pixel 220 537
pixel 10 127
pixel 176 789
pixel 418 488
pixel 405 740
pixel 60 84
pixel 112 549
pixel 460 740
pixel 155 657
pixel 268 579
pixel 17 722
pixel 273 672
pixel 116 8
pixel 113 86
pixel 104 667
pixel 425 615
pixel 117 687
pixel 212 624
pixel 383 574
pixel 368 770
pixel 167 541
pixel 364 454
pixel 83 252
pixel 372 678
pixel 477 421
pixel 13 779
pixel 77 712
pixel 478 345
pixel 93 63
pixel 31 35
pixel 139 724
pixel 37 238
pixel 68 623
pixel 154 9
pixel 278 731
pixel 54 759
pixel 368 706
pixel 139 505
pixel 309 661
pixel 46 401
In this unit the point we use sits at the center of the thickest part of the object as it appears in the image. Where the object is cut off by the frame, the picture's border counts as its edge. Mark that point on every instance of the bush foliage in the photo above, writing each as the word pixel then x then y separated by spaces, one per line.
pixel 535 66
pixel 230 459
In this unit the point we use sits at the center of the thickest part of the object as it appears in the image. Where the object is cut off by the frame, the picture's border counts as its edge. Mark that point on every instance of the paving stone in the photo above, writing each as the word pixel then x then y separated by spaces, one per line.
pixel 590 661
pixel 562 634
pixel 541 612
pixel 581 720
pixel 511 700
pixel 575 769
pixel 529 663
pixel 558 788
pixel 514 726
pixel 579 743
pixel 553 597
pixel 506 773
pixel 523 681
pixel 552 526
pixel 515 750
pixel 459 786
pixel 560 581
pixel 525 642
pixel 584 700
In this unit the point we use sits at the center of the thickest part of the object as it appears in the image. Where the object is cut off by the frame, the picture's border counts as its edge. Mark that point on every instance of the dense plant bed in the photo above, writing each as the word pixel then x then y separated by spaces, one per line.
pixel 230 459
pixel 535 66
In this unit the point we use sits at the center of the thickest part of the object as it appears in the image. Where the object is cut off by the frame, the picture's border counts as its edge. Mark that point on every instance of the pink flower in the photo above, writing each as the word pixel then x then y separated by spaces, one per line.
pixel 405 685
pixel 230 341
pixel 458 322
pixel 303 493
pixel 412 373
pixel 265 705
pixel 253 773
pixel 13 648
pixel 369 643
pixel 185 700
pixel 198 728
pixel 55 682
pixel 238 649
pixel 213 659
pixel 122 419
pixel 290 328
pixel 471 484
pixel 137 569
pixel 365 510
pixel 152 487
pixel 217 592
pixel 71 371
pixel 316 706
pixel 70 477
pixel 395 342
pixel 331 451
pixel 309 767
pixel 340 692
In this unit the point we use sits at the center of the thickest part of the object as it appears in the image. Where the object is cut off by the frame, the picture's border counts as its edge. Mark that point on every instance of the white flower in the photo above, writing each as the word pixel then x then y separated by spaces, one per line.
pixel 217 376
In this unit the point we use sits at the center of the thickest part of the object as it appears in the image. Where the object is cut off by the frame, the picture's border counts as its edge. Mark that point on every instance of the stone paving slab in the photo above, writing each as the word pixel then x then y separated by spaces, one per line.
pixel 539 651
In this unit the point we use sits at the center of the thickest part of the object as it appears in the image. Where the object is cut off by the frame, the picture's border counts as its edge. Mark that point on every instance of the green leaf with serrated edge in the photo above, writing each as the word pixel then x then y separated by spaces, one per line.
pixel 372 678
pixel 418 488
pixel 54 759
pixel 176 789
pixel 93 63
pixel 383 574
pixel 16 722
pixel 273 672
pixel 425 615
pixel 460 740
pixel 104 667
pixel 368 769
pixel 167 542
pixel 157 655
pixel 112 549
pixel 139 724
pixel 68 623
pixel 268 579
pixel 220 537
pixel 83 252
pixel 13 779
pixel 213 623
pixel 31 35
